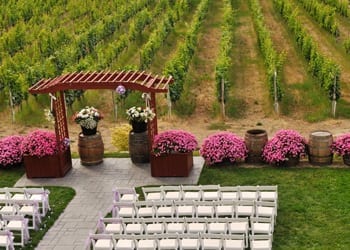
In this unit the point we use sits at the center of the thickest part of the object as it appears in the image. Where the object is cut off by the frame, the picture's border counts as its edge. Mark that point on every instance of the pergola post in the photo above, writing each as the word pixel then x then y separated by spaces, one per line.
pixel 152 126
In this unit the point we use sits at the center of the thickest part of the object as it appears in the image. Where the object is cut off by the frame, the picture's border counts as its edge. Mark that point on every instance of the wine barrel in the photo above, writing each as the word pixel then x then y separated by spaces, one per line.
pixel 255 140
pixel 139 147
pixel 90 148
pixel 319 148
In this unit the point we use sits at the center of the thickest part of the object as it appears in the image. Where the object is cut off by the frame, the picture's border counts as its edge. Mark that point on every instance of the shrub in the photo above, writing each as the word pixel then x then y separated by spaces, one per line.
pixel 341 145
pixel 174 141
pixel 120 137
pixel 10 151
pixel 42 143
pixel 285 144
pixel 223 146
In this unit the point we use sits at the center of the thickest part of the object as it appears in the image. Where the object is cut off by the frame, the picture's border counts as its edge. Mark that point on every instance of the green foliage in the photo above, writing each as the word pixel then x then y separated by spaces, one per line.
pixel 346 45
pixel 322 68
pixel 120 137
pixel 342 6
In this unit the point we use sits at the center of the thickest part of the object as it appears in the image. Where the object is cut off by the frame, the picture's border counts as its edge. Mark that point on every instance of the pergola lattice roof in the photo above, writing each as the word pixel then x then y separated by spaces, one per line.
pixel 145 82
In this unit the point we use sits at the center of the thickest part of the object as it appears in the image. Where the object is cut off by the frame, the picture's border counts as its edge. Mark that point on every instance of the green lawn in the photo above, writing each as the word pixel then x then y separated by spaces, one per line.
pixel 59 199
pixel 313 203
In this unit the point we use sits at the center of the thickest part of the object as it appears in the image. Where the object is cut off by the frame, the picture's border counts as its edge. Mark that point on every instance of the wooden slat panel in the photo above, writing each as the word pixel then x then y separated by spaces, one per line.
pixel 91 76
pixel 139 76
pixel 146 79
pixel 116 76
pixel 105 76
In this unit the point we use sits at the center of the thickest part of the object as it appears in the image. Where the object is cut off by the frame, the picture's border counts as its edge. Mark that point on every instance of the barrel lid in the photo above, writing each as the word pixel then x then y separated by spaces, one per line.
pixel 321 133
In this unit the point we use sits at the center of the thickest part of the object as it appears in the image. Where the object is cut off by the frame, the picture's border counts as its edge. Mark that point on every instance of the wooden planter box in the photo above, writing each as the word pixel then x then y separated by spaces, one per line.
pixel 172 165
pixel 53 166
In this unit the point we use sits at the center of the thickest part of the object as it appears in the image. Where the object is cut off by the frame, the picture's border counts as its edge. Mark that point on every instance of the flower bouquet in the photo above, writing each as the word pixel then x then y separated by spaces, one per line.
pixel 223 147
pixel 138 118
pixel 285 146
pixel 10 151
pixel 341 146
pixel 88 119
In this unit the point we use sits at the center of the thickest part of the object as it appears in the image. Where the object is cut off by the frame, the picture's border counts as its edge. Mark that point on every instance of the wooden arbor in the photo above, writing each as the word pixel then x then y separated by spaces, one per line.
pixel 134 80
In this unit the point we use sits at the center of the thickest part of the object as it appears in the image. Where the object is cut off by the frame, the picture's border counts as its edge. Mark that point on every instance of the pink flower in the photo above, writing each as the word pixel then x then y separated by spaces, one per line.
pixel 10 152
pixel 223 146
pixel 174 141
pixel 341 145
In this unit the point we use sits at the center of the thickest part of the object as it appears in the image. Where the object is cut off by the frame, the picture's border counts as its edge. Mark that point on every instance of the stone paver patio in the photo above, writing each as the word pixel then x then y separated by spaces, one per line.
pixel 93 186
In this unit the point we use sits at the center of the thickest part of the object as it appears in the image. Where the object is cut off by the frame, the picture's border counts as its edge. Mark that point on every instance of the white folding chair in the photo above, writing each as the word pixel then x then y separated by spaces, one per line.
pixel 190 192
pixel 30 208
pixel 184 208
pixel 204 209
pixel 18 225
pixel 8 208
pixel 125 242
pixel 266 209
pixel 233 241
pixel 123 209
pixel 6 239
pixel 210 192
pixel 225 208
pixel 239 226
pixel 229 193
pixel 153 193
pixel 245 208
pixel 110 225
pixel 217 227
pixel 190 241
pixel 155 227
pixel 172 192
pixel 164 208
pixel 210 241
pixel 260 225
pixel 127 194
pixel 248 193
pixel 145 209
pixel 168 241
pixel 16 193
pixel 195 225
pixel 101 242
pixel 260 242
pixel 4 195
pixel 136 226
pixel 175 226
pixel 147 242
pixel 40 195
pixel 268 193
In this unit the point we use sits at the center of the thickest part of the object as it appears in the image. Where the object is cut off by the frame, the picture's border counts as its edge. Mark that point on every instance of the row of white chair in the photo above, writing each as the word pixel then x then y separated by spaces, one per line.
pixel 198 241
pixel 41 195
pixel 156 209
pixel 18 226
pixel 186 226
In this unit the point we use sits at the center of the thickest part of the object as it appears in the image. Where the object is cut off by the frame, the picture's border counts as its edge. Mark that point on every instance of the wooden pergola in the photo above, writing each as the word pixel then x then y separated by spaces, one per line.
pixel 134 80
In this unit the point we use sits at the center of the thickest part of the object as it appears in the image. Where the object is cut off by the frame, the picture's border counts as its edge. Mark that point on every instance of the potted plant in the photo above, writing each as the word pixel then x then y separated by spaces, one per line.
pixel 223 147
pixel 138 118
pixel 172 153
pixel 341 147
pixel 10 151
pixel 44 156
pixel 285 148
pixel 88 119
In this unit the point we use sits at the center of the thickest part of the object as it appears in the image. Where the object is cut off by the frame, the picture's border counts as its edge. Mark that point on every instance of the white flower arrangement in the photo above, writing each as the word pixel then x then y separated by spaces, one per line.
pixel 138 114
pixel 88 117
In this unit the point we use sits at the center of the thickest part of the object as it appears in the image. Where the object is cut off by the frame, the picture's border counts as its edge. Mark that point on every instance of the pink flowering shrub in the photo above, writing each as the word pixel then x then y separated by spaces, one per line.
pixel 42 143
pixel 223 146
pixel 10 151
pixel 341 145
pixel 174 141
pixel 285 143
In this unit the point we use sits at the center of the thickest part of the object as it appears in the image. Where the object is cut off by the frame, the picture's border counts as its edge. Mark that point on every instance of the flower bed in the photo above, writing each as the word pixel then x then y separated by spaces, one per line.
pixel 10 150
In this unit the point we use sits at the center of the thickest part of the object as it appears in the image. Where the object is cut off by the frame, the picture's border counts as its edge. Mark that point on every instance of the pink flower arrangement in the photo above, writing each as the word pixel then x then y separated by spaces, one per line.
pixel 10 152
pixel 341 145
pixel 42 143
pixel 174 141
pixel 223 146
pixel 285 144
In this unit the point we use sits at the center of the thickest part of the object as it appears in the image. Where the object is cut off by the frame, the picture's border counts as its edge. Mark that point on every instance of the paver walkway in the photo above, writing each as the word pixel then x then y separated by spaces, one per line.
pixel 93 186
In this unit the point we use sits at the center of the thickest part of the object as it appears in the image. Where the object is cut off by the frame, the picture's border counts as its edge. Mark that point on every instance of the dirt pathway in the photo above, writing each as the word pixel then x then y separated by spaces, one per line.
pixel 250 81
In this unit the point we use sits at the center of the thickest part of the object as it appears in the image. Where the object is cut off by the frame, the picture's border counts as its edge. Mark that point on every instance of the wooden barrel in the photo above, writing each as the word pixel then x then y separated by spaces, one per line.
pixel 90 148
pixel 255 140
pixel 139 147
pixel 319 148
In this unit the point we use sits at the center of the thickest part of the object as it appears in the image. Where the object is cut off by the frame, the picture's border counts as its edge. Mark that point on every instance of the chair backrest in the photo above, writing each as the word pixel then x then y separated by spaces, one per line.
pixel 93 238
pixel 273 188
pixel 210 187
pixel 191 188
pixel 9 239
pixel 248 188
pixel 171 188
pixel 262 237
pixel 147 190
pixel 118 192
